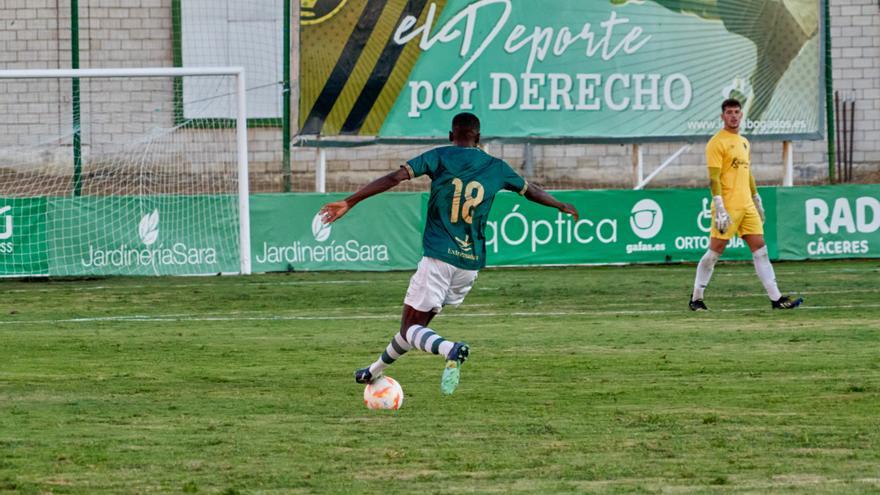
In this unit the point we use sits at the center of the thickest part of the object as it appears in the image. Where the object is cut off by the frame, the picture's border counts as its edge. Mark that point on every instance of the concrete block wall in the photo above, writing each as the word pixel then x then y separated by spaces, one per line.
pixel 118 115
pixel 138 33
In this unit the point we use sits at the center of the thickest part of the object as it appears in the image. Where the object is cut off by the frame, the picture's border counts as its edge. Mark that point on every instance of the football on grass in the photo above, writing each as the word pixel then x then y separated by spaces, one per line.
pixel 383 393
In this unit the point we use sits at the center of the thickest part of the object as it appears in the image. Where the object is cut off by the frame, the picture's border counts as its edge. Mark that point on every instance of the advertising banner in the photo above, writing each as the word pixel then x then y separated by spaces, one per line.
pixel 653 226
pixel 829 222
pixel 384 233
pixel 186 235
pixel 591 70
pixel 23 249
pixel 144 235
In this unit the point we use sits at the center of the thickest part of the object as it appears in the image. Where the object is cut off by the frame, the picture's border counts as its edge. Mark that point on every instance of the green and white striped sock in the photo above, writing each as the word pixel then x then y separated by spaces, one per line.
pixel 396 348
pixel 428 340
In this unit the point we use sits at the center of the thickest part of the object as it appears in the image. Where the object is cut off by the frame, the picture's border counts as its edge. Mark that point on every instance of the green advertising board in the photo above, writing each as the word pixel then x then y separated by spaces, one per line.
pixel 383 233
pixel 595 70
pixel 23 247
pixel 143 235
pixel 616 226
pixel 653 226
pixel 829 222
pixel 185 235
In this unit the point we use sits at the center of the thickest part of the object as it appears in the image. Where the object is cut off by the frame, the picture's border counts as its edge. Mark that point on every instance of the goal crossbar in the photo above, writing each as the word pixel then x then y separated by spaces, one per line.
pixel 121 72
pixel 241 123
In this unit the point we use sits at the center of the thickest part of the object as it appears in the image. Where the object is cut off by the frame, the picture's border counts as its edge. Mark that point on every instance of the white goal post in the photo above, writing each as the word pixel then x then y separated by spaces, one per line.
pixel 239 121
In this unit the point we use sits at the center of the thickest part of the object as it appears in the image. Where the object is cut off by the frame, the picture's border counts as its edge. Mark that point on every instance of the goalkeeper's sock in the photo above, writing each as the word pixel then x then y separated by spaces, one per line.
pixel 427 340
pixel 704 273
pixel 765 272
pixel 396 348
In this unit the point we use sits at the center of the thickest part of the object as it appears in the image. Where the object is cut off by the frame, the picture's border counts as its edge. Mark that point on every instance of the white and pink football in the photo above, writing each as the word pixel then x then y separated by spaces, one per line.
pixel 383 393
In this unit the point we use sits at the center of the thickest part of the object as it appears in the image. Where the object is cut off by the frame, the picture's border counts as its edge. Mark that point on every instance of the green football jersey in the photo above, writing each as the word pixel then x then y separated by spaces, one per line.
pixel 464 182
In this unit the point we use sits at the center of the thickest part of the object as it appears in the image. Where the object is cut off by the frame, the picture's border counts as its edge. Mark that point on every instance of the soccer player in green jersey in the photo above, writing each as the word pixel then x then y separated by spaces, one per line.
pixel 464 182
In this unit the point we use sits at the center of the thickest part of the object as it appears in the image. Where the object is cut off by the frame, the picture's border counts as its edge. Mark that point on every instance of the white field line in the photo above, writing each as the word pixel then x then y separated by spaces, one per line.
pixel 720 269
pixel 348 282
pixel 721 295
pixel 187 286
pixel 524 314
pixel 402 289
pixel 242 282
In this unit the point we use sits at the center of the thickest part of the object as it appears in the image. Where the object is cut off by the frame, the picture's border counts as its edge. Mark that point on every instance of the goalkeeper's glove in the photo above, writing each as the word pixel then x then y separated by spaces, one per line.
pixel 722 218
pixel 760 207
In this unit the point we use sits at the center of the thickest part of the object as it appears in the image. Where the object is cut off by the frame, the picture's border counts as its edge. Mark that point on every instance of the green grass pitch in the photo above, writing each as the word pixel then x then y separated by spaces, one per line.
pixel 581 380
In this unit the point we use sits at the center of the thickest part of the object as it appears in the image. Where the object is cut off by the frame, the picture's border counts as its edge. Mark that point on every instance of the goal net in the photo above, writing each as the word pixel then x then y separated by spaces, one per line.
pixel 123 172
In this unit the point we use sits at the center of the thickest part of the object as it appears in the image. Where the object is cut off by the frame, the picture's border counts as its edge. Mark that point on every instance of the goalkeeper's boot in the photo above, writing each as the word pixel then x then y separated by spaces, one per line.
pixel 363 375
pixel 786 302
pixel 452 373
pixel 697 305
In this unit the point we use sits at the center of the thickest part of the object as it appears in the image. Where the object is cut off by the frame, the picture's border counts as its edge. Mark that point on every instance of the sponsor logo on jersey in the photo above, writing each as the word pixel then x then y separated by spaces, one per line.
pixel 465 244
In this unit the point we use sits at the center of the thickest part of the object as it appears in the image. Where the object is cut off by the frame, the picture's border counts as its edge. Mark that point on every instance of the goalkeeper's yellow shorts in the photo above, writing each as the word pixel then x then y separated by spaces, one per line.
pixel 744 221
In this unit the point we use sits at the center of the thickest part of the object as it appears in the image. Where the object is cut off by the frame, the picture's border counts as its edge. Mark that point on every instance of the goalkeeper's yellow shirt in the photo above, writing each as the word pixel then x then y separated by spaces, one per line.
pixel 731 153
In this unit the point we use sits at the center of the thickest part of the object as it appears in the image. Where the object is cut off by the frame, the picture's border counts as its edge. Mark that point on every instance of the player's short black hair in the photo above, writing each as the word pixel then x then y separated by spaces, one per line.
pixel 466 122
pixel 730 102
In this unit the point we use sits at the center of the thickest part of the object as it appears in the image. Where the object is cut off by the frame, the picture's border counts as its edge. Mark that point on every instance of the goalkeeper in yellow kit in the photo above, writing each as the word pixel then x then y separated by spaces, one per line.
pixel 736 209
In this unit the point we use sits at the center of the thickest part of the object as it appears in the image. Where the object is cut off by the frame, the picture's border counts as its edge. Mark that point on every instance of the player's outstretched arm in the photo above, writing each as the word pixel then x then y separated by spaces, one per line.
pixel 334 211
pixel 540 196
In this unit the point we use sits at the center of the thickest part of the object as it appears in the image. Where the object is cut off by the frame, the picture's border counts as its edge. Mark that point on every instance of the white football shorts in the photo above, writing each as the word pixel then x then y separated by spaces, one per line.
pixel 436 284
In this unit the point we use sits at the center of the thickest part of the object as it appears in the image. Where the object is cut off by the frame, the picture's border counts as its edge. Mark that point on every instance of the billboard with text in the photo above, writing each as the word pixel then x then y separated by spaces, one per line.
pixel 596 70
